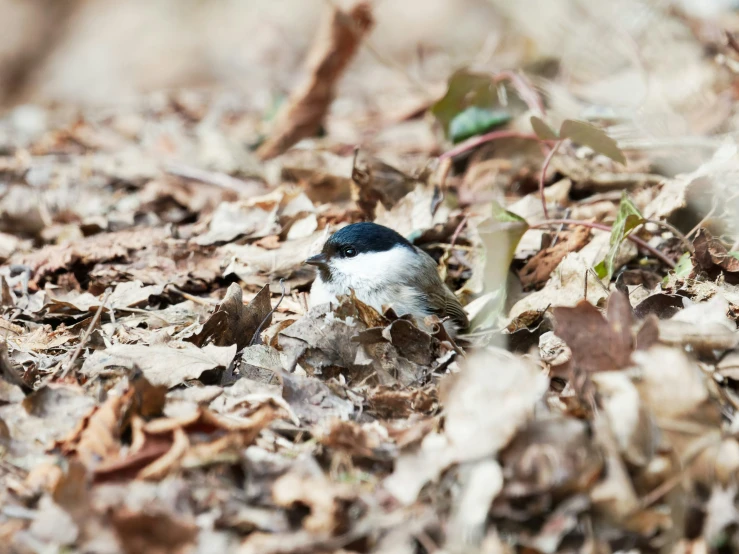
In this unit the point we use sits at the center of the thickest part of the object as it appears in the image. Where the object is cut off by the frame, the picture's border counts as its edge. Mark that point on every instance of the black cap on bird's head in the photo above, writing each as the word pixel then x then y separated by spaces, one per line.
pixel 355 239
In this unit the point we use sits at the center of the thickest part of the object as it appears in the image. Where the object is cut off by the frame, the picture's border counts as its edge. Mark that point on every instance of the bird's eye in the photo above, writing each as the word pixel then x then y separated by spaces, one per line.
pixel 350 252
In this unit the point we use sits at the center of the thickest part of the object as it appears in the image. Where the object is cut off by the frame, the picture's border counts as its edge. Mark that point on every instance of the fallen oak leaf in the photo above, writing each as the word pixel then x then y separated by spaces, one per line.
pixel 597 343
pixel 333 49
pixel 234 323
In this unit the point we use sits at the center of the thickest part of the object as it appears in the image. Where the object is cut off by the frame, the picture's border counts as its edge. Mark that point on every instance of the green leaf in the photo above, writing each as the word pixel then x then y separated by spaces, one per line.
pixel 628 218
pixel 684 266
pixel 734 254
pixel 466 89
pixel 592 137
pixel 504 216
pixel 542 129
pixel 475 121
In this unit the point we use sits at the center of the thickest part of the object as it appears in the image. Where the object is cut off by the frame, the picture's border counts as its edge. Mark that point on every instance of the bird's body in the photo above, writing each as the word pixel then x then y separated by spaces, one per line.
pixel 384 270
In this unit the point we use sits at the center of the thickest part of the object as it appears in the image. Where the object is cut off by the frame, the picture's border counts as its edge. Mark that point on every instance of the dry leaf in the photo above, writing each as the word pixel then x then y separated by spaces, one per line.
pixel 614 340
pixel 168 365
pixel 538 269
pixel 234 323
pixel 333 49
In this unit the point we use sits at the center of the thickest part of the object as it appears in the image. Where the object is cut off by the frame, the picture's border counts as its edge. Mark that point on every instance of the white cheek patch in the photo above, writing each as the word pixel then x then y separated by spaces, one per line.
pixel 374 269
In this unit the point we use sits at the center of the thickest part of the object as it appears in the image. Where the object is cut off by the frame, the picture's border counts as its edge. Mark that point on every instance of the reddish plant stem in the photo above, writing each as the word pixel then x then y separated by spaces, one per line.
pixel 471 143
pixel 603 227
pixel 544 168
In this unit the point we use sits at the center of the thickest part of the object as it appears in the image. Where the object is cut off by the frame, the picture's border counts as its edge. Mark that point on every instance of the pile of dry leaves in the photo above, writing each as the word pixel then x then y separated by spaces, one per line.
pixel 165 387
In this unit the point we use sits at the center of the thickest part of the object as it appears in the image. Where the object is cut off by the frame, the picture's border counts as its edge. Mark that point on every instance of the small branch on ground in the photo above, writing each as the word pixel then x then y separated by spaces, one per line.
pixel 474 142
pixel 544 168
pixel 86 336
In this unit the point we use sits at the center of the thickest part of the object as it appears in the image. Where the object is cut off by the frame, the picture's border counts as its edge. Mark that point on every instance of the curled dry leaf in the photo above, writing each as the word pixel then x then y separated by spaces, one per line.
pixel 234 323
pixel 163 445
pixel 566 287
pixel 333 49
pixel 97 436
pixel 234 219
pixel 537 270
pixel 711 255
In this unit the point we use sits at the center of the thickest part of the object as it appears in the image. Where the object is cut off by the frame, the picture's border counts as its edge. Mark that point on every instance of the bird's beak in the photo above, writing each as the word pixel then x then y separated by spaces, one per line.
pixel 318 260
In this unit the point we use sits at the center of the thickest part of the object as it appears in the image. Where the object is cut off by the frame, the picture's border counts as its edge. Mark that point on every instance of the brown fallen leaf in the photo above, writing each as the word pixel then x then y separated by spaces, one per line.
pixel 160 446
pixel 97 436
pixel 333 49
pixel 376 182
pixel 711 255
pixel 363 442
pixel 155 533
pixel 598 343
pixel 234 323
pixel 388 403
pixel 537 270
pixel 88 251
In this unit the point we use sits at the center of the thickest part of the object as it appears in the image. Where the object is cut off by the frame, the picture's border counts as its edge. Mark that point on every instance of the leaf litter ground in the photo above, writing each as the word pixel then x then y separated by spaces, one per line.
pixel 165 387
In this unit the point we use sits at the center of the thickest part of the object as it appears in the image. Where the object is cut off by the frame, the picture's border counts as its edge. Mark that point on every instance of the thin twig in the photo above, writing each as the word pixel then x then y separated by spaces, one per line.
pixel 88 332
pixel 709 215
pixel 544 168
pixel 675 231
pixel 603 227
pixel 198 300
pixel 559 230
pixel 597 280
pixel 458 230
pixel 473 142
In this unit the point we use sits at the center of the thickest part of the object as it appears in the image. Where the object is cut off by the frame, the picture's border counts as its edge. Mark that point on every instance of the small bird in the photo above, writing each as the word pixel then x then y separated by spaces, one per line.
pixel 383 269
